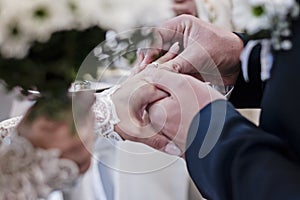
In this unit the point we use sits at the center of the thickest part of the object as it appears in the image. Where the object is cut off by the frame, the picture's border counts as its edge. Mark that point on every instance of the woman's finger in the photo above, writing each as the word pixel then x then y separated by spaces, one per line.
pixel 151 55
pixel 144 96
pixel 170 54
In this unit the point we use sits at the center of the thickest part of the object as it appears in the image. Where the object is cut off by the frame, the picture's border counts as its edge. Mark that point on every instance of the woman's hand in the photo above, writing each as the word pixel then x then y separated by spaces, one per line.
pixel 132 100
pixel 208 51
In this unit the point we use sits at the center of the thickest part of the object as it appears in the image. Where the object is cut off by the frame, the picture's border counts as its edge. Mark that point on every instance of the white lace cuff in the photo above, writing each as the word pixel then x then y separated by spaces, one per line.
pixel 27 172
pixel 105 115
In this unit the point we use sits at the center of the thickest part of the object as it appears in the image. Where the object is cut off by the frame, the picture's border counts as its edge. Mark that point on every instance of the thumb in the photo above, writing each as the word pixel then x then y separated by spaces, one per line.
pixel 144 96
pixel 182 63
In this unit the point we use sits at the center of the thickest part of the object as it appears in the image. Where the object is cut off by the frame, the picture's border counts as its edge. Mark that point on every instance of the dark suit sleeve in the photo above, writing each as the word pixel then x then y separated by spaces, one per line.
pixel 249 94
pixel 246 162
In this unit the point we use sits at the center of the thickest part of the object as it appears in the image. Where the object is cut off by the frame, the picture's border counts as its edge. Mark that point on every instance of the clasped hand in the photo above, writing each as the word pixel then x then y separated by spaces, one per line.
pixel 156 107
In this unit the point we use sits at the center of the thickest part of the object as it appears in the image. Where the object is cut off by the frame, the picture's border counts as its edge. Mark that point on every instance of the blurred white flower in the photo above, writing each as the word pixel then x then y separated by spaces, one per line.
pixel 265 22
pixel 23 22
pixel 279 8
pixel 14 38
pixel 15 46
pixel 43 17
pixel 111 39
pixel 85 13
pixel 120 15
pixel 251 16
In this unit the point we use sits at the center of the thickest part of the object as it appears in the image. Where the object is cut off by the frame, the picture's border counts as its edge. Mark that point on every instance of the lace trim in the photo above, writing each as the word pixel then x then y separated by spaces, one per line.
pixel 7 127
pixel 27 172
pixel 105 115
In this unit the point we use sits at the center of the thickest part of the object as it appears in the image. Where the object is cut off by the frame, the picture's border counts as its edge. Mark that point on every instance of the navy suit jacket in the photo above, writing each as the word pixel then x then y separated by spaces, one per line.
pixel 249 162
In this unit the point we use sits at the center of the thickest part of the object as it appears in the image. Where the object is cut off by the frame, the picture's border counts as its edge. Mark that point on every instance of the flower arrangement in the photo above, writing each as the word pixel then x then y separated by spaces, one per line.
pixel 43 42
pixel 267 22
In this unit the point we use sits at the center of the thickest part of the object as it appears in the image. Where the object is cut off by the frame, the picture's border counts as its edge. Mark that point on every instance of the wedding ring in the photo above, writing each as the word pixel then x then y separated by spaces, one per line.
pixel 156 64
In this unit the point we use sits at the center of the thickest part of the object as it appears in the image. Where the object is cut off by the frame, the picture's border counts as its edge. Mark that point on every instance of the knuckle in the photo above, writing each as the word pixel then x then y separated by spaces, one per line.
pixel 158 142
pixel 151 89
pixel 176 67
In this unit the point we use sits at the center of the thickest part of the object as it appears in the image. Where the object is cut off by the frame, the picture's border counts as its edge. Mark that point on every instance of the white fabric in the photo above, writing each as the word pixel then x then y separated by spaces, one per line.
pixel 89 186
pixel 251 114
pixel 11 105
pixel 134 171
pixel 266 58
pixel 5 103
pixel 27 172
pixel 146 173
pixel 217 12
pixel 19 107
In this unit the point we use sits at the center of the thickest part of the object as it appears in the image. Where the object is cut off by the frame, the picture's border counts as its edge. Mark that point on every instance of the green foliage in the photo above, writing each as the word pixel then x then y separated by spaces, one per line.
pixel 51 67
pixel 54 109
pixel 258 10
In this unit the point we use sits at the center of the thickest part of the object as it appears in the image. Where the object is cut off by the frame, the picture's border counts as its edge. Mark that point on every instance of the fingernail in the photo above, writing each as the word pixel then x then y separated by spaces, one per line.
pixel 143 64
pixel 172 149
pixel 174 48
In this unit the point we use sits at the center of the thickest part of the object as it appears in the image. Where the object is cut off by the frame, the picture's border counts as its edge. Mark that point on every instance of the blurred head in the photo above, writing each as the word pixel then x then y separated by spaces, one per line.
pixel 185 7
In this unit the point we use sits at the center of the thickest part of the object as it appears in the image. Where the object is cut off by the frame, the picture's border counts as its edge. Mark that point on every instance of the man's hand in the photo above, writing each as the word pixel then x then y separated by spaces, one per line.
pixel 208 51
pixel 187 96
